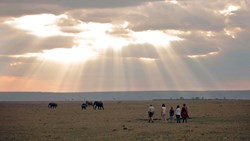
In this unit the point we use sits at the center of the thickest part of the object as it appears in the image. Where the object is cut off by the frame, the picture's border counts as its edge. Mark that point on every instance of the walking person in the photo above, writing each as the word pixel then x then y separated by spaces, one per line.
pixel 184 113
pixel 171 114
pixel 163 112
pixel 178 114
pixel 151 111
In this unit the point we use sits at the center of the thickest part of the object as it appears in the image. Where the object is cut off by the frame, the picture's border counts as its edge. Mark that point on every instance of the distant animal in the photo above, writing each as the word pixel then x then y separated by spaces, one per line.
pixel 84 106
pixel 52 105
pixel 89 103
pixel 98 105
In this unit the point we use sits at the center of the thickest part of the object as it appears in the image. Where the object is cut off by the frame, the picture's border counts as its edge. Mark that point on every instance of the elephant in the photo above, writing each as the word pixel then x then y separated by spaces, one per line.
pixel 98 105
pixel 52 105
pixel 89 103
pixel 84 106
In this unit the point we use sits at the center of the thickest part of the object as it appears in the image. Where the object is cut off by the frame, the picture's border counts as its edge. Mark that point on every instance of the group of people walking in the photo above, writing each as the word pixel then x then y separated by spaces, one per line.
pixel 180 113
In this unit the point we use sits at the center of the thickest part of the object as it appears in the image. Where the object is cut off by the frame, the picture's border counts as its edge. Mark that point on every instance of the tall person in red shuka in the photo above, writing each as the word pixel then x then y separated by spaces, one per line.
pixel 184 113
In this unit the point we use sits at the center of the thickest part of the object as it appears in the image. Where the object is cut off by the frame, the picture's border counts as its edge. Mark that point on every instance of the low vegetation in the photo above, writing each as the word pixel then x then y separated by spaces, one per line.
pixel 221 120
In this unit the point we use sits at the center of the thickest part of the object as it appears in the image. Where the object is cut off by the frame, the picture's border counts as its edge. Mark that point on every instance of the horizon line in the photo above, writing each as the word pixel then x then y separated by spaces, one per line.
pixel 125 91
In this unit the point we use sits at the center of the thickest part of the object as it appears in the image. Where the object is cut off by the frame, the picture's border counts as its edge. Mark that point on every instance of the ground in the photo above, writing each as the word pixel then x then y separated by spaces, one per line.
pixel 219 120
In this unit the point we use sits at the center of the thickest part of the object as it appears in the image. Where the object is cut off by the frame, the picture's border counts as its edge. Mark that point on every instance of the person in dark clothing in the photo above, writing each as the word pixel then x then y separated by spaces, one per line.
pixel 184 113
pixel 171 114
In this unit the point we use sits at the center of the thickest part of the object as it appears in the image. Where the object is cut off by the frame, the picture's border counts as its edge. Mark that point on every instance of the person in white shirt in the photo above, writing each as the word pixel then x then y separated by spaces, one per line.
pixel 178 114
pixel 163 112
pixel 151 111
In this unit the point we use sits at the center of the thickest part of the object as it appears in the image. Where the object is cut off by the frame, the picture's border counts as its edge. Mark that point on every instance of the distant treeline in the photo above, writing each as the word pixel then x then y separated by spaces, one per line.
pixel 123 95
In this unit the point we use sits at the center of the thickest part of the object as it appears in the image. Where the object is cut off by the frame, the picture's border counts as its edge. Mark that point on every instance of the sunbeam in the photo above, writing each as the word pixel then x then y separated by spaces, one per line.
pixel 125 46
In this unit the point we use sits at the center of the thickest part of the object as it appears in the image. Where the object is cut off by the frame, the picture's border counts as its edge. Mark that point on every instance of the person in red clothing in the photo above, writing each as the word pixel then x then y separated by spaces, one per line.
pixel 184 113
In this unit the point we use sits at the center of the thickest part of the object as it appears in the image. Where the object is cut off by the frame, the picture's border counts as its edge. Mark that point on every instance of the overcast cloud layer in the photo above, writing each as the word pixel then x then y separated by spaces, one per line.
pixel 120 45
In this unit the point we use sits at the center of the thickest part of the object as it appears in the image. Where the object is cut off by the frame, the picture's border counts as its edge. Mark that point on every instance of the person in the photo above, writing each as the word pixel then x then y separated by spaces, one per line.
pixel 184 113
pixel 178 114
pixel 151 110
pixel 171 114
pixel 163 112
pixel 184 105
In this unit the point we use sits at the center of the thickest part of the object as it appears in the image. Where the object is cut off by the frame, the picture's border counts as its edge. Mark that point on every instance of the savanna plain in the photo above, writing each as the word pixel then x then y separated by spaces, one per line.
pixel 211 120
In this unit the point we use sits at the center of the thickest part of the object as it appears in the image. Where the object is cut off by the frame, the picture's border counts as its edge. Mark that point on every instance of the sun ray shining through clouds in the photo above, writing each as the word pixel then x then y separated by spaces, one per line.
pixel 124 46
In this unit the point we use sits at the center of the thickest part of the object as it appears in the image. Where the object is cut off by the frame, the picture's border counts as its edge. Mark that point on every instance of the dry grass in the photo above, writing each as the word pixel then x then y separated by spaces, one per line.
pixel 123 121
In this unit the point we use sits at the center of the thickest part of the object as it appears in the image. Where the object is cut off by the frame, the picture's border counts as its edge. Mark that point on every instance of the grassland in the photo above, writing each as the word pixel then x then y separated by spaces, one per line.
pixel 217 120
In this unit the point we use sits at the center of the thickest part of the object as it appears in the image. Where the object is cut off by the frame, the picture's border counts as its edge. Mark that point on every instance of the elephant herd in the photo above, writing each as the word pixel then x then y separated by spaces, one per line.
pixel 96 105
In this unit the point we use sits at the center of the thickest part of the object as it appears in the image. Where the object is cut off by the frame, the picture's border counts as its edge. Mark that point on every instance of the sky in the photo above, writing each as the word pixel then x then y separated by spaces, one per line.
pixel 124 45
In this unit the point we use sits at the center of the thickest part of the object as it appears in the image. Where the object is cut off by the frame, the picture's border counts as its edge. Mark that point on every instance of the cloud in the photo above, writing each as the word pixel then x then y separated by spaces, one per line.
pixel 16 66
pixel 182 16
pixel 240 18
pixel 15 41
pixel 9 8
pixel 56 42
pixel 68 24
pixel 139 51
pixel 159 15
pixel 30 7
pixel 122 32
pixel 26 46
pixel 195 44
